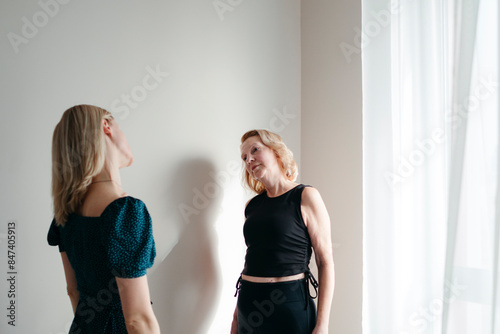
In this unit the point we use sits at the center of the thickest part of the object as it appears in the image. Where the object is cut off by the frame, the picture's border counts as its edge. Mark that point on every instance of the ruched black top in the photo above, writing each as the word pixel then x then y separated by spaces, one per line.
pixel 278 243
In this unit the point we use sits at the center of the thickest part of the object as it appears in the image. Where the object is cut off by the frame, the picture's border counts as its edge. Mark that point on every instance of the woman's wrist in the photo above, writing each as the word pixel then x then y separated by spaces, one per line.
pixel 322 323
pixel 322 326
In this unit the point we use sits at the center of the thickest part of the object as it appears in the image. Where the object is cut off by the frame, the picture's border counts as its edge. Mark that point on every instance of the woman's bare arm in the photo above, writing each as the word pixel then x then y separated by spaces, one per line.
pixel 136 305
pixel 318 225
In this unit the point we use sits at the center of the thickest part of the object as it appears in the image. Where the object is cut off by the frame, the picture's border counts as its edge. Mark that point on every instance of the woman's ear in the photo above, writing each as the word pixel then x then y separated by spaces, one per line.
pixel 106 127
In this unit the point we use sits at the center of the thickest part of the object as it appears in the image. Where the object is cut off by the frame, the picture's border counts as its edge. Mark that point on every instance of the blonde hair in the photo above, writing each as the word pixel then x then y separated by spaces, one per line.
pixel 272 140
pixel 78 154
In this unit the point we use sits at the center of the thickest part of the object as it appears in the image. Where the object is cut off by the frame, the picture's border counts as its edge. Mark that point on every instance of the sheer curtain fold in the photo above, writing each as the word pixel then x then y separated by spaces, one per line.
pixel 431 164
pixel 463 46
pixel 495 321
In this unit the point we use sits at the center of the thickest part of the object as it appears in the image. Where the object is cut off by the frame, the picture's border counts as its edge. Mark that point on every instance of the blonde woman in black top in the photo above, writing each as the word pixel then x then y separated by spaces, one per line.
pixel 284 222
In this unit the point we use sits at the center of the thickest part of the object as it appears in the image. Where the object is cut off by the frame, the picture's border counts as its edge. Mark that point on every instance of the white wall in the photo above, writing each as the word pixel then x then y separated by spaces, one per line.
pixel 227 74
pixel 332 141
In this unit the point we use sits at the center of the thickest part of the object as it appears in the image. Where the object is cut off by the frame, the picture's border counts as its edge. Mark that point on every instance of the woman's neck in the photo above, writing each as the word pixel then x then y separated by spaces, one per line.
pixel 279 187
pixel 109 179
pixel 108 173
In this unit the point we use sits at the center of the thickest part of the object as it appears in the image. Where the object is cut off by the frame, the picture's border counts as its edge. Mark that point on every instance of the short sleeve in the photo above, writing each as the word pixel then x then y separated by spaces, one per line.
pixel 54 236
pixel 128 238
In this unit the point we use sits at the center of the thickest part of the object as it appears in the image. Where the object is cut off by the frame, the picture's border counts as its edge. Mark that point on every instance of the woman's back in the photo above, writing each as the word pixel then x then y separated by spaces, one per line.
pixel 117 243
pixel 104 236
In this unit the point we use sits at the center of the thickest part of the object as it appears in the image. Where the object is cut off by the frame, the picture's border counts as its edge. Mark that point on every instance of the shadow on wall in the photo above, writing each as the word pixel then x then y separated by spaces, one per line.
pixel 185 286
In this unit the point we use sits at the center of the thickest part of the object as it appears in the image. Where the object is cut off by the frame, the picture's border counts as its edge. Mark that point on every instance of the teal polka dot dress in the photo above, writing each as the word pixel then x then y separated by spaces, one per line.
pixel 119 243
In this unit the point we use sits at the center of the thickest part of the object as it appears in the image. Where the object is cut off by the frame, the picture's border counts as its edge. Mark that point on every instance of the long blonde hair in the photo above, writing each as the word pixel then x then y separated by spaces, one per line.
pixel 272 140
pixel 78 154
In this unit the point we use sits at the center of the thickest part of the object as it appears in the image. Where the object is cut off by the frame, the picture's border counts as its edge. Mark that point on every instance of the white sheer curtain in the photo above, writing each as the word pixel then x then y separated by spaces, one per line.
pixel 431 164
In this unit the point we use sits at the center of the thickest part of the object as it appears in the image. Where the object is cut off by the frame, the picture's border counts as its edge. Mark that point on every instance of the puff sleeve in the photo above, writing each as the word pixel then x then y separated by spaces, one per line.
pixel 54 236
pixel 128 238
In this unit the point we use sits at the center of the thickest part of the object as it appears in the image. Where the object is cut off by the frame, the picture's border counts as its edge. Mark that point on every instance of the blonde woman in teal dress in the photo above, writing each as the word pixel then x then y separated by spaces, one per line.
pixel 104 235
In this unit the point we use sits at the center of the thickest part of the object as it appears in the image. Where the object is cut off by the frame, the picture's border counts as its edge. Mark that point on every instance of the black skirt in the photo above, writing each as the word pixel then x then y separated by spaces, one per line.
pixel 275 308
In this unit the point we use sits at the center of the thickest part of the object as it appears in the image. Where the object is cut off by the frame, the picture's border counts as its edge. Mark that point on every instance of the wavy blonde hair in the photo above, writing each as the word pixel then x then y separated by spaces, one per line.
pixel 285 157
pixel 78 154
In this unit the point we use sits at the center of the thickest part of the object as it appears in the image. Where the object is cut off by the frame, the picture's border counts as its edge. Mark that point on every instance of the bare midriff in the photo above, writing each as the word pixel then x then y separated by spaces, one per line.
pixel 272 279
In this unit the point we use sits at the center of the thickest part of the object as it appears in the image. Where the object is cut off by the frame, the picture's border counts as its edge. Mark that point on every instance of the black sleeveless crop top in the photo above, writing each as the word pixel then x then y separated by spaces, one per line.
pixel 278 243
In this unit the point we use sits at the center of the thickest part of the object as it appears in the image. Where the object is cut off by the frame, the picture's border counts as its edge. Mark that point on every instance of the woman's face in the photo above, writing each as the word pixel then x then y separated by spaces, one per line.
pixel 260 160
pixel 120 142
